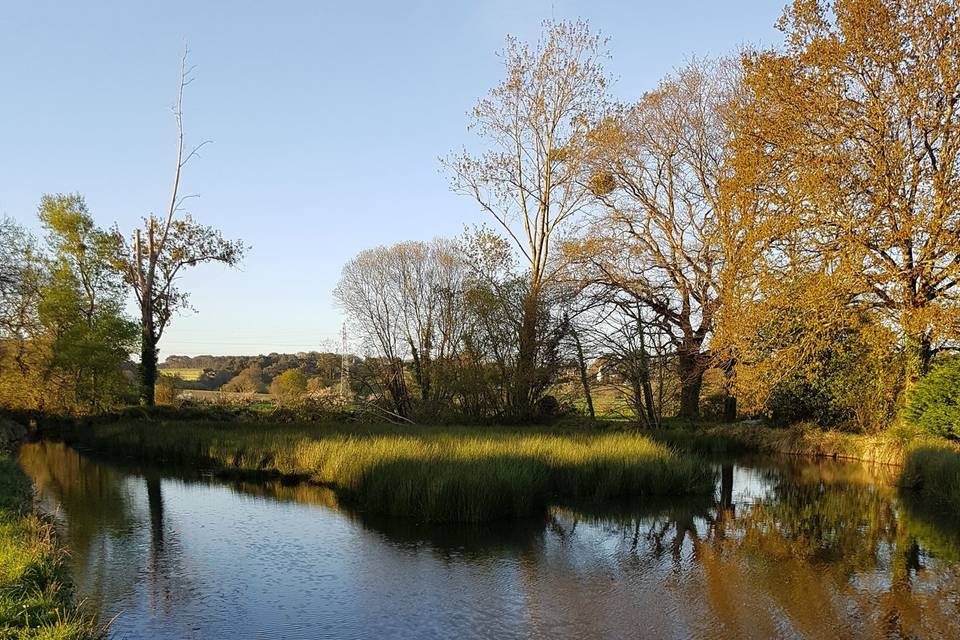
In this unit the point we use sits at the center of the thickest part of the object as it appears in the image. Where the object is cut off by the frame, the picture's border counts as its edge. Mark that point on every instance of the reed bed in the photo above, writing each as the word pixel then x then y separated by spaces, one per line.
pixel 432 473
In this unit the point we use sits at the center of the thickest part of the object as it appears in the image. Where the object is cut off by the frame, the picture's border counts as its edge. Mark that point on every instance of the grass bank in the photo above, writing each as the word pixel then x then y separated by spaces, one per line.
pixel 928 464
pixel 432 473
pixel 35 599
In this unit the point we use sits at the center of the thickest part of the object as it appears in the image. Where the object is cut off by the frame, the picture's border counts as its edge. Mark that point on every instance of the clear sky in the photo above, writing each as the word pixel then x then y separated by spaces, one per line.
pixel 327 121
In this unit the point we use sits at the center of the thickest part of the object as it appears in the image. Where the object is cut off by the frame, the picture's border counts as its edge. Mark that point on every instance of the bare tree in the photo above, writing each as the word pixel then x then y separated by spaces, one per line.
pixel 157 254
pixel 661 240
pixel 535 123
pixel 406 300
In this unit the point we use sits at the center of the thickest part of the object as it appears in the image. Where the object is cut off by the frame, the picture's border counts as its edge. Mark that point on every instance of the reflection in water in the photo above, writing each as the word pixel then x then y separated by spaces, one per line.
pixel 787 548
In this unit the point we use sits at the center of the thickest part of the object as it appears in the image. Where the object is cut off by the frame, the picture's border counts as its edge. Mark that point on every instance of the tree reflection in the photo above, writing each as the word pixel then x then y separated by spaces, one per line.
pixel 833 555
pixel 100 510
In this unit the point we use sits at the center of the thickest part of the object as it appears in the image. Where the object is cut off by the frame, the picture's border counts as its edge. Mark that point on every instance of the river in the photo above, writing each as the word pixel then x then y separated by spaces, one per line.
pixel 786 548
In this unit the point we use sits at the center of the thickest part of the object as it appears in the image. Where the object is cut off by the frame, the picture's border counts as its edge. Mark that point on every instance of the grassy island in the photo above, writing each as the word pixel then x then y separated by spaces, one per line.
pixel 464 474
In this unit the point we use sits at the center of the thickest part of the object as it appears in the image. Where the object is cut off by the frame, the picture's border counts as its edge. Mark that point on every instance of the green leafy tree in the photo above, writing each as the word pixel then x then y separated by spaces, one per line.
pixel 81 308
pixel 933 404
pixel 21 350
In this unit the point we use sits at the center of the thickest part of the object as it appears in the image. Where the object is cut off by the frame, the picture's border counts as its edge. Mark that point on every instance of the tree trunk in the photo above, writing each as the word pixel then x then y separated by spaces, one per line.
pixel 652 411
pixel 919 352
pixel 583 373
pixel 729 400
pixel 523 401
pixel 148 360
pixel 691 380
pixel 730 408
pixel 397 387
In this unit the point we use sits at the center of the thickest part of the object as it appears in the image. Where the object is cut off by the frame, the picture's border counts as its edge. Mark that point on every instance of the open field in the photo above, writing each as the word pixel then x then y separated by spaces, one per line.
pixel 430 473
pixel 228 397
pixel 34 592
pixel 188 375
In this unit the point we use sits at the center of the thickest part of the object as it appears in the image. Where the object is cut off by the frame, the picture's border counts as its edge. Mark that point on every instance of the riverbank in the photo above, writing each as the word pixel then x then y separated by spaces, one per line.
pixel 928 465
pixel 35 596
pixel 434 474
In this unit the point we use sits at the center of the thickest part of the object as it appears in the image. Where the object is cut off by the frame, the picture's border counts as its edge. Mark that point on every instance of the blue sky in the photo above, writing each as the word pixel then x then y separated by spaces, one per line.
pixel 327 121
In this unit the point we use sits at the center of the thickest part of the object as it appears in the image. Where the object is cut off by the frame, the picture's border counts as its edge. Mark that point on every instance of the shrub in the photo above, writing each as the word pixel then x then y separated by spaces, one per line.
pixel 933 404
pixel 165 391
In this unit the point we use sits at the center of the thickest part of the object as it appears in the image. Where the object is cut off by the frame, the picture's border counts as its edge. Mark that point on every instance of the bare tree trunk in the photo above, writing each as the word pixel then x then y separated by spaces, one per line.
pixel 148 358
pixel 730 408
pixel 652 417
pixel 691 381
pixel 397 386
pixel 584 380
pixel 642 389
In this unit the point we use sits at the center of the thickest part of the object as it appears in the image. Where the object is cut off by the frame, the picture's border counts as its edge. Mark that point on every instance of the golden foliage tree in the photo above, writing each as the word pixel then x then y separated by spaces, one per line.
pixel 847 149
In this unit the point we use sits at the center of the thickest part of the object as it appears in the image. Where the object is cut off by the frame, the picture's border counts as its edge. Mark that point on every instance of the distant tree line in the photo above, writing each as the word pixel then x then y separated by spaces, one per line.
pixel 254 374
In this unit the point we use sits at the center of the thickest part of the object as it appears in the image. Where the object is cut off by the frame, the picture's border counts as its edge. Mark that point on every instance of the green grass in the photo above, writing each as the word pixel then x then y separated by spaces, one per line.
pixel 432 473
pixel 35 600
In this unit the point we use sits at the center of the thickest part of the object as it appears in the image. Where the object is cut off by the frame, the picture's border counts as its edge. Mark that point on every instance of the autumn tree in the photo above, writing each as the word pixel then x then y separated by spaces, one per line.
pixel 156 255
pixel 657 166
pixel 533 125
pixel 249 380
pixel 847 147
pixel 289 385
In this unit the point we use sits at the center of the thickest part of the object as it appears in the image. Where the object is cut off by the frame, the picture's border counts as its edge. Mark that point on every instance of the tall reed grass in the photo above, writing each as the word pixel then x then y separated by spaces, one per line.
pixel 431 473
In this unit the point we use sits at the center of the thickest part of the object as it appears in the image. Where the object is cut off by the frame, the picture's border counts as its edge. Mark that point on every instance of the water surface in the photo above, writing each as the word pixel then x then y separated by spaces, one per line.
pixel 787 548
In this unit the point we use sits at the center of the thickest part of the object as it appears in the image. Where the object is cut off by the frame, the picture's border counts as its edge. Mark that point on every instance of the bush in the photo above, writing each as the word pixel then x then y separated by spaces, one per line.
pixel 933 404
pixel 165 391
pixel 797 399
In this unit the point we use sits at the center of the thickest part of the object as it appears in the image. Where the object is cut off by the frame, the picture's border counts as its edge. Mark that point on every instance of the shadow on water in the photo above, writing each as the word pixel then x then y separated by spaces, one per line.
pixel 785 548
